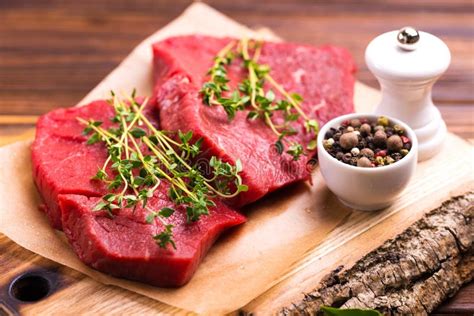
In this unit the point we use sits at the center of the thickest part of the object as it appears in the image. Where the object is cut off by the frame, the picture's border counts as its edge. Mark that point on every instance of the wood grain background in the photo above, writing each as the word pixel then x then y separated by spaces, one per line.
pixel 53 52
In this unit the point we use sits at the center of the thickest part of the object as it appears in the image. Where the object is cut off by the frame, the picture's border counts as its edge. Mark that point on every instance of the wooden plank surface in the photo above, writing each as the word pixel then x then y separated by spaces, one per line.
pixel 53 52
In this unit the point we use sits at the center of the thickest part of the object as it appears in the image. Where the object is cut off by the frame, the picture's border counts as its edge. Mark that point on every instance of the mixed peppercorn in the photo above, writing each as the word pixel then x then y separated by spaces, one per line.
pixel 362 143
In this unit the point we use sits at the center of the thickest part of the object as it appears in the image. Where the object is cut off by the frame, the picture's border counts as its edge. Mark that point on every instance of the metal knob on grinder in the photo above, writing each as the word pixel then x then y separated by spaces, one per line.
pixel 407 63
pixel 408 38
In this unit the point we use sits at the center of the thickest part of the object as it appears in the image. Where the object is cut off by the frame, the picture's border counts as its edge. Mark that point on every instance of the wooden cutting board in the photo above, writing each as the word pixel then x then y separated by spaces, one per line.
pixel 360 232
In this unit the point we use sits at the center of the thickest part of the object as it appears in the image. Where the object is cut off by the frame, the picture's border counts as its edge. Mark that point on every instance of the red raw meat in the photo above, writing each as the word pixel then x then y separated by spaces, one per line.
pixel 123 246
pixel 322 76
pixel 62 169
pixel 62 162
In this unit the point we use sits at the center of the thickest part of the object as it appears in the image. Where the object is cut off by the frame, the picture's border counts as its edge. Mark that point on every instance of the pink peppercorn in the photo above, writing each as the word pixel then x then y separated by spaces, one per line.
pixel 381 153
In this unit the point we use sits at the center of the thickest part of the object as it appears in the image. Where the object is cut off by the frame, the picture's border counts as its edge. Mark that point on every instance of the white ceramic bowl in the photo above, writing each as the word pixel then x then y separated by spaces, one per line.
pixel 366 188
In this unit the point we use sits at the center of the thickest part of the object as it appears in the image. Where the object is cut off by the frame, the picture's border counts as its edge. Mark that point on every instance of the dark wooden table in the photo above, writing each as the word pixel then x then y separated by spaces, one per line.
pixel 53 52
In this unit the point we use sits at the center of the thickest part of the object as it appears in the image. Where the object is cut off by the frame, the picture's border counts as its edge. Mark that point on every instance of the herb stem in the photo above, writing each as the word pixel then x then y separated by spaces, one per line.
pixel 258 50
pixel 223 52
pixel 269 122
pixel 140 160
pixel 178 182
pixel 217 63
pixel 100 130
pixel 286 95
pixel 259 103
pixel 159 135
pixel 155 131
pixel 145 164
pixel 251 71
pixel 129 126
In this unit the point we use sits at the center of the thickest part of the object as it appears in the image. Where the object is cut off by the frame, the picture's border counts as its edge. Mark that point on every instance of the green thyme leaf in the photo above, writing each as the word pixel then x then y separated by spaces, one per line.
pixel 238 166
pixel 166 212
pixel 100 175
pixel 100 206
pixel 165 237
pixel 312 126
pixel 252 96
pixel 150 217
pixel 270 95
pixel 296 97
pixel 140 157
pixel 138 132
pixel 312 145
pixel 95 138
pixel 252 115
pixel 295 150
pixel 332 311
pixel 279 146
pixel 243 188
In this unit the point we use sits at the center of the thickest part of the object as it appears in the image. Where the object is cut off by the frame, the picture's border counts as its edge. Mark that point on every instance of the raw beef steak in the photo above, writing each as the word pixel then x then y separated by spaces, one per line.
pixel 322 76
pixel 123 246
pixel 62 162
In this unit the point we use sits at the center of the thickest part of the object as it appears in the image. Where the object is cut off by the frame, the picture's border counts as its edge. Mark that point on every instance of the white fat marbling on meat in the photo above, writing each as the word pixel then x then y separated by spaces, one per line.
pixel 297 75
pixel 301 49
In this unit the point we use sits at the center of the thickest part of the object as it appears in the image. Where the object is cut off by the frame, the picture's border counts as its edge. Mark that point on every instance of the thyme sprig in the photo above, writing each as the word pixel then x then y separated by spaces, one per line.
pixel 213 91
pixel 252 96
pixel 140 156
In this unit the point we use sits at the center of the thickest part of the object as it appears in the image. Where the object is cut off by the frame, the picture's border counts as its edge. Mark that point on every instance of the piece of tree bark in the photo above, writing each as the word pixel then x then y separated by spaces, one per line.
pixel 410 274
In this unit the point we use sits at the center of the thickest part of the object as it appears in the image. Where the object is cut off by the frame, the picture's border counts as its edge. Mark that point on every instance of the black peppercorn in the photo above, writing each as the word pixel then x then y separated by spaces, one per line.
pixel 353 161
pixel 365 143
pixel 362 144
pixel 397 156
pixel 347 157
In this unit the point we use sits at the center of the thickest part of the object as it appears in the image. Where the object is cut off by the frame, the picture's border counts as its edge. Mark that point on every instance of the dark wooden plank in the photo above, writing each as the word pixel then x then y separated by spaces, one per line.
pixel 53 52
pixel 67 290
pixel 461 303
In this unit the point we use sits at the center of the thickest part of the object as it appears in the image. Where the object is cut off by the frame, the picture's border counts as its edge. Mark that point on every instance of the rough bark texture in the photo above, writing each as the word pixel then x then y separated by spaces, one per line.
pixel 410 274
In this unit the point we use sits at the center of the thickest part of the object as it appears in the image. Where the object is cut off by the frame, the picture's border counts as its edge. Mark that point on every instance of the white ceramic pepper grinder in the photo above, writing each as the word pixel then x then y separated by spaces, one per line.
pixel 407 63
